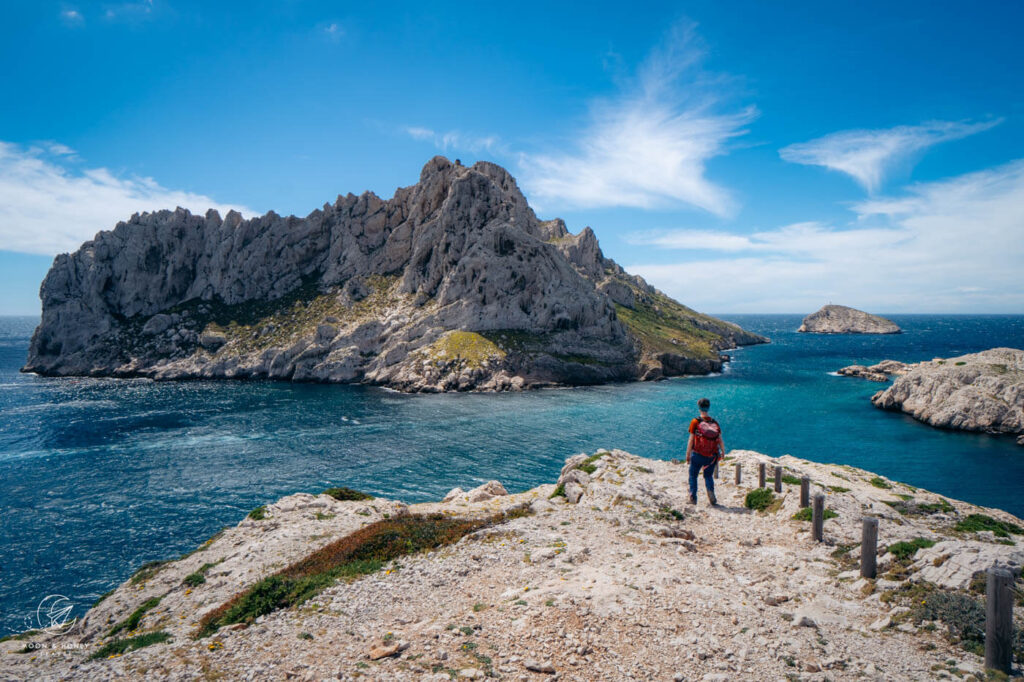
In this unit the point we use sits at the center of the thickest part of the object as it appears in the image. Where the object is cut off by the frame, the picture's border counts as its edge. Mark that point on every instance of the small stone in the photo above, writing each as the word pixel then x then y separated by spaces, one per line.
pixel 539 666
pixel 471 674
pixel 802 620
pixel 384 650
pixel 881 624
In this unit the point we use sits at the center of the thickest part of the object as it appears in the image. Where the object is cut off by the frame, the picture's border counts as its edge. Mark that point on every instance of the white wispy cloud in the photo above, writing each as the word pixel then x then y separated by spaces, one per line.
pixel 866 155
pixel 333 31
pixel 71 16
pixel 647 147
pixel 951 246
pixel 454 140
pixel 49 205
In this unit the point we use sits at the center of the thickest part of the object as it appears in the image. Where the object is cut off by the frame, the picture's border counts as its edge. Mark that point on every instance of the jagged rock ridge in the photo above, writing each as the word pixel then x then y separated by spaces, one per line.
pixel 840 319
pixel 451 284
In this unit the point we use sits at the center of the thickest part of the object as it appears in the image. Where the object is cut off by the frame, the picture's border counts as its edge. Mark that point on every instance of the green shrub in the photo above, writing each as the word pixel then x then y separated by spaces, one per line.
pixel 199 577
pixel 147 571
pixel 119 646
pixel 559 492
pixel 132 621
pixel 838 489
pixel 880 482
pixel 760 498
pixel 259 513
pixel 964 616
pixel 905 550
pixel 362 552
pixel 980 522
pixel 347 494
pixel 807 514
pixel 588 465
pixel 932 507
pixel 790 480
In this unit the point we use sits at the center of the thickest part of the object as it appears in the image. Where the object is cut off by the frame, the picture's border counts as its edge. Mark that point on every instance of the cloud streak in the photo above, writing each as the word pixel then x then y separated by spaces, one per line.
pixel 867 155
pixel 48 205
pixel 454 140
pixel 649 146
pixel 949 246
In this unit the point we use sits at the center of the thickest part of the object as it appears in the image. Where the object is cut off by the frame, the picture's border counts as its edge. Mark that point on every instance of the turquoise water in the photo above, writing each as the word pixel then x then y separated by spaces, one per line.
pixel 98 476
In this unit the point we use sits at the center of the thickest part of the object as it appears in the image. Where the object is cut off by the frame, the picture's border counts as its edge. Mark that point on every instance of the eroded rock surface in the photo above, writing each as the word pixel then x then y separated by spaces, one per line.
pixel 976 392
pixel 839 319
pixel 452 284
pixel 630 582
pixel 883 371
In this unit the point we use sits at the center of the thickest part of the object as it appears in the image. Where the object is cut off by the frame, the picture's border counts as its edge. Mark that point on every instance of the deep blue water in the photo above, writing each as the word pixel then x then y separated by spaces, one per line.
pixel 98 476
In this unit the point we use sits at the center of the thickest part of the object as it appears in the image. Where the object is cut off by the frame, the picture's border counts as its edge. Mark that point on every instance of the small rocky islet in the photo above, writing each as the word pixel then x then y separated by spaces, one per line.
pixel 981 392
pixel 619 579
pixel 452 284
pixel 840 319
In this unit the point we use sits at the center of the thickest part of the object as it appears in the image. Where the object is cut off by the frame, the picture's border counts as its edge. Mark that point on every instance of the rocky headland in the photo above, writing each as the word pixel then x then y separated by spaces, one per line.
pixel 975 392
pixel 605 574
pixel 452 284
pixel 883 371
pixel 839 319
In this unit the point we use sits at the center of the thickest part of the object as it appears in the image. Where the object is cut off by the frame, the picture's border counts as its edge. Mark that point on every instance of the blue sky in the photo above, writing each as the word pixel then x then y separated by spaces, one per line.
pixel 743 156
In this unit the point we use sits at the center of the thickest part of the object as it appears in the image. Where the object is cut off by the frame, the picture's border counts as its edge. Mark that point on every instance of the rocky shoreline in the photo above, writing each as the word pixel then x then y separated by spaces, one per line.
pixel 981 392
pixel 453 284
pixel 604 574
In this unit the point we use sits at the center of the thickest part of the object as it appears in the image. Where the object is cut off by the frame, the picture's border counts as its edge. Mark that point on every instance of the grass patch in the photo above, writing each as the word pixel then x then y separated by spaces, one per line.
pixel 880 482
pixel 132 621
pixel 147 571
pixel 807 514
pixel 346 494
pixel 588 465
pixel 559 491
pixel 320 516
pixel 259 513
pixel 19 636
pixel 838 489
pixel 100 598
pixel 759 499
pixel 905 550
pixel 364 551
pixel 120 646
pixel 466 349
pixel 976 523
pixel 199 577
pixel 790 480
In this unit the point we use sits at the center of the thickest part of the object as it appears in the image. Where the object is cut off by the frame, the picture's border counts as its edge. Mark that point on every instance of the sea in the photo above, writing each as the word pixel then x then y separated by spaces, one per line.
pixel 98 476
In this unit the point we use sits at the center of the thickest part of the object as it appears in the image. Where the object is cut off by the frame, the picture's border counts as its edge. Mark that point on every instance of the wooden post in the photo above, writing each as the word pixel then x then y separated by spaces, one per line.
pixel 760 475
pixel 778 479
pixel 818 519
pixel 869 548
pixel 805 491
pixel 739 473
pixel 999 619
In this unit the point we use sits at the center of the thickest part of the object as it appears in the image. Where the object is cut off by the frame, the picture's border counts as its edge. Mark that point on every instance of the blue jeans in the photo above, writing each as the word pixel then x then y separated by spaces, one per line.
pixel 696 462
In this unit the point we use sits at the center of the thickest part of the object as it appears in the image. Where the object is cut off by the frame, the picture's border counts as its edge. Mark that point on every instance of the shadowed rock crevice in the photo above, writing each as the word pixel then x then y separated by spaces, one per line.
pixel 452 284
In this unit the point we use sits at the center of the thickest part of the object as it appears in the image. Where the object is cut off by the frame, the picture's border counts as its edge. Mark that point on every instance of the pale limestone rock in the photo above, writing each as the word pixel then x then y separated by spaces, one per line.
pixel 839 319
pixel 976 392
pixel 384 281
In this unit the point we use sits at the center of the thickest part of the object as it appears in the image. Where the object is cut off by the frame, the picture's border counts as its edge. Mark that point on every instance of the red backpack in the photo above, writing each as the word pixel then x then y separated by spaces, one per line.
pixel 706 435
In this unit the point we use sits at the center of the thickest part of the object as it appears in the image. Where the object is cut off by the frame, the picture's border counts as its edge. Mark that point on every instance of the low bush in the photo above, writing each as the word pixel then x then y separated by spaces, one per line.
pixel 760 498
pixel 807 514
pixel 905 550
pixel 879 482
pixel 964 616
pixel 347 494
pixel 119 646
pixel 259 513
pixel 132 621
pixel 981 522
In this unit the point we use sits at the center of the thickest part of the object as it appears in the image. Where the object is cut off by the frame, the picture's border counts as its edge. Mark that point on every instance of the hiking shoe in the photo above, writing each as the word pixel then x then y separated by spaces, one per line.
pixel 712 499
pixel 693 499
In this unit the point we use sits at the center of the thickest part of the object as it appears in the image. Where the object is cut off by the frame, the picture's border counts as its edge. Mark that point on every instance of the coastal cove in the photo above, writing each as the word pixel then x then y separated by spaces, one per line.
pixel 98 476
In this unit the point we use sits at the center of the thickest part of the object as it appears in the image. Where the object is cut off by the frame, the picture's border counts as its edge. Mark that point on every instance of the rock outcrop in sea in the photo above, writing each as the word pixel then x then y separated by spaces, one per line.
pixel 883 371
pixel 627 582
pixel 839 319
pixel 975 392
pixel 452 284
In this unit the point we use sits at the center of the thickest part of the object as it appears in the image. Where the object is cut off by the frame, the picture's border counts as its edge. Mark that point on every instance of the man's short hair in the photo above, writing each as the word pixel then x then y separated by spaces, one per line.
pixel 704 404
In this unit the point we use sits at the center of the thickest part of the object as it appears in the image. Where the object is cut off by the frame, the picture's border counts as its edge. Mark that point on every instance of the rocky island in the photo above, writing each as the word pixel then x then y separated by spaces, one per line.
pixel 975 392
pixel 604 574
pixel 452 284
pixel 839 319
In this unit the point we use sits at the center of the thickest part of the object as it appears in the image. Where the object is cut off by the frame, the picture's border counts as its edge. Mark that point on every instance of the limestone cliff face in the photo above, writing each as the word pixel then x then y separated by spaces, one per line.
pixel 976 392
pixel 451 284
pixel 839 319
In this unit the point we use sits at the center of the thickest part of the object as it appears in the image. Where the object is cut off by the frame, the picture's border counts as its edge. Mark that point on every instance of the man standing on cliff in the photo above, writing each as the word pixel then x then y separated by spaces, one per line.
pixel 703 449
